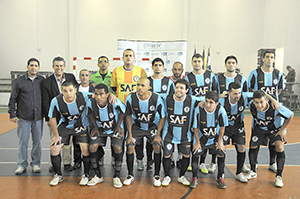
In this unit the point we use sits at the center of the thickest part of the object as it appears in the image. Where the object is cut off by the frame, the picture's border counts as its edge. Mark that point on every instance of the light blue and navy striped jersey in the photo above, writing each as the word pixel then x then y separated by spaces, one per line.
pixel 223 82
pixel 108 116
pixel 163 85
pixel 235 112
pixel 209 124
pixel 72 114
pixel 177 128
pixel 143 111
pixel 200 84
pixel 270 119
pixel 268 82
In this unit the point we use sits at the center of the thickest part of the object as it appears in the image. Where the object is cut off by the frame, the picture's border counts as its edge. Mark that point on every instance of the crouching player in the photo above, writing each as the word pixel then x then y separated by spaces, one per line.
pixel 107 122
pixel 268 124
pixel 209 127
pixel 71 106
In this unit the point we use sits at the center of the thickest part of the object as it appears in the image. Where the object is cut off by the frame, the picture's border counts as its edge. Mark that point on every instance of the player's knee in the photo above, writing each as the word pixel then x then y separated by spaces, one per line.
pixel 93 148
pixel 279 147
pixel 241 148
pixel 117 149
pixel 186 156
pixel 167 156
pixel 130 149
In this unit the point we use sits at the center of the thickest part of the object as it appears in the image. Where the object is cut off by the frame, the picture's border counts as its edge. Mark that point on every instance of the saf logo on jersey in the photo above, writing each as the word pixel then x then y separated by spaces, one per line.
pixel 144 117
pixel 209 132
pixel 73 117
pixel 177 119
pixel 80 129
pixel 268 89
pixel 201 90
pixel 128 87
pixel 232 117
pixel 107 124
pixel 261 122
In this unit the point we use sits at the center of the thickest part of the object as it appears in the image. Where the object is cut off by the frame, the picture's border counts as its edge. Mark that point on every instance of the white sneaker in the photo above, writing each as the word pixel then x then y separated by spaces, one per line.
pixel 95 180
pixel 251 174
pixel 183 181
pixel 36 169
pixel 117 182
pixel 245 169
pixel 166 181
pixel 129 179
pixel 202 168
pixel 20 170
pixel 156 181
pixel 240 177
pixel 273 167
pixel 278 181
pixel 212 167
pixel 84 180
pixel 57 179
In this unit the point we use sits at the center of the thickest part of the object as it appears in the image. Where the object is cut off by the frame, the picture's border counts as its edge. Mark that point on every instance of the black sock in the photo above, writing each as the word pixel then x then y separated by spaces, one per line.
pixel 167 166
pixel 203 156
pixel 221 165
pixel 129 161
pixel 118 159
pixel 157 161
pixel 56 163
pixel 253 158
pixel 272 153
pixel 139 151
pixel 86 164
pixel 213 158
pixel 149 150
pixel 195 160
pixel 100 153
pixel 184 165
pixel 240 160
pixel 280 162
pixel 94 163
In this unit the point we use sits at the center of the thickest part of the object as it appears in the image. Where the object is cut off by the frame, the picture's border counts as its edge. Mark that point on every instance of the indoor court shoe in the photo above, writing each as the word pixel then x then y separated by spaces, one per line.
pixel 20 170
pixel 156 181
pixel 273 167
pixel 95 180
pixel 221 183
pixel 189 168
pixel 240 177
pixel 57 179
pixel 129 179
pixel 212 167
pixel 117 182
pixel 166 181
pixel 183 181
pixel 84 180
pixel 36 169
pixel 140 166
pixel 203 168
pixel 278 181
pixel 251 175
pixel 194 183
pixel 245 169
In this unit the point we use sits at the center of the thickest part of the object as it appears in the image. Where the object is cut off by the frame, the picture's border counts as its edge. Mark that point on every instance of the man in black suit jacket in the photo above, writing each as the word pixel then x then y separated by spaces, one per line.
pixel 51 87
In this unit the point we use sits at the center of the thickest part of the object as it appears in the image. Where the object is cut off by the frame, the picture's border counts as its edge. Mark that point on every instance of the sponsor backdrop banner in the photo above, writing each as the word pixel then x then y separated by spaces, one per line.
pixel 146 51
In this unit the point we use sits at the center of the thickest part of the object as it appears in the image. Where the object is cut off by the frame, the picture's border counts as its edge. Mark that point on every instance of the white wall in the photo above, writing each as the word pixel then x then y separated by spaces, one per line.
pixel 45 29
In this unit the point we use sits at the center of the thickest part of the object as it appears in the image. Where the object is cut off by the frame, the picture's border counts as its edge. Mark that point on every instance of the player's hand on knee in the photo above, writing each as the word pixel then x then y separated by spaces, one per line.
pixel 129 140
pixel 94 132
pixel 197 148
pixel 157 139
pixel 55 141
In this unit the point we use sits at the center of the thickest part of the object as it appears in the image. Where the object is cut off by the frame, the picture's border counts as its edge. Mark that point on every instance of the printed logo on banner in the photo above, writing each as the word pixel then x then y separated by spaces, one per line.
pixel 180 53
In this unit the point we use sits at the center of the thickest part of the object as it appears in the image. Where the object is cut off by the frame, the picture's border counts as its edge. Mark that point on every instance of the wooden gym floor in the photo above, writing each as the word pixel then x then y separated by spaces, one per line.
pixel 31 185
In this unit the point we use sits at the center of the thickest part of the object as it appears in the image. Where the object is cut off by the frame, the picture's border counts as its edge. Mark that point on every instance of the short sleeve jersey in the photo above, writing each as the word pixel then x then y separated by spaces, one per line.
pixel 72 114
pixel 143 112
pixel 209 124
pixel 268 82
pixel 223 82
pixel 163 85
pixel 270 119
pixel 106 117
pixel 125 81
